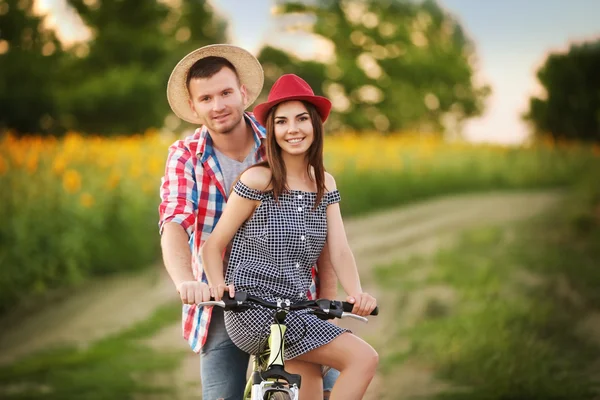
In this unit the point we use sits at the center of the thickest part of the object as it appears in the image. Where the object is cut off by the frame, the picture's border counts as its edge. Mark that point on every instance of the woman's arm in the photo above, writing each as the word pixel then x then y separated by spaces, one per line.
pixel 342 258
pixel 237 211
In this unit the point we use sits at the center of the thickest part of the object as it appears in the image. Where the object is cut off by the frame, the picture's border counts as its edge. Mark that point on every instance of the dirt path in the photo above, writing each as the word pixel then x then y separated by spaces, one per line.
pixel 106 307
pixel 421 229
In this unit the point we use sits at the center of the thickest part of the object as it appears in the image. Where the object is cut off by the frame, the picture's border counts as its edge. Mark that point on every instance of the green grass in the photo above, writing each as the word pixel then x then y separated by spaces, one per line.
pixel 455 171
pixel 520 295
pixel 117 367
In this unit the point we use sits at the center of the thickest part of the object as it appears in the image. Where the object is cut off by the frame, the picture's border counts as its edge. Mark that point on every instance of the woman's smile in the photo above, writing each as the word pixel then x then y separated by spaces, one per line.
pixel 295 140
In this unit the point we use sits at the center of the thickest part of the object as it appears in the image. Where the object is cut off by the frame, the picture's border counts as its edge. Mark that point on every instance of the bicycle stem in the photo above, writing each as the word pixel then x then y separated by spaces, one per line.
pixel 276 344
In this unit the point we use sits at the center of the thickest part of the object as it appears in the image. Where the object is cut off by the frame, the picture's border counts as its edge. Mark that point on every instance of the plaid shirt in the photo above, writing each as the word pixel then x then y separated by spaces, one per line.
pixel 193 195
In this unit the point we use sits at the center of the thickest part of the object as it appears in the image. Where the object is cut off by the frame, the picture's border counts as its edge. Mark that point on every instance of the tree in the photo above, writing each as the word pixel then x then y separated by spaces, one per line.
pixel 571 106
pixel 29 55
pixel 117 82
pixel 398 64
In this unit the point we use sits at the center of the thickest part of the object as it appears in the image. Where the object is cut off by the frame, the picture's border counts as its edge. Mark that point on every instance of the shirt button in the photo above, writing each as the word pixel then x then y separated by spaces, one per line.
pixel 299 208
pixel 297 265
pixel 301 295
pixel 300 196
pixel 302 237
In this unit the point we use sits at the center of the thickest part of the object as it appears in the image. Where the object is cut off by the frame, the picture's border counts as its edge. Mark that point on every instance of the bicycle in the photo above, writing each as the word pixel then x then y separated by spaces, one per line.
pixel 269 380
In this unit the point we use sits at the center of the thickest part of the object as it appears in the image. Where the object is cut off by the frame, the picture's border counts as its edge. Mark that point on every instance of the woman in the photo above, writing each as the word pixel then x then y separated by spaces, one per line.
pixel 280 216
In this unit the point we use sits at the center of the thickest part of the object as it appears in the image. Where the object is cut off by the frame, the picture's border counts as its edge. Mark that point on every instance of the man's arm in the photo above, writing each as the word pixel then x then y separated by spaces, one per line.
pixel 177 258
pixel 327 277
pixel 177 217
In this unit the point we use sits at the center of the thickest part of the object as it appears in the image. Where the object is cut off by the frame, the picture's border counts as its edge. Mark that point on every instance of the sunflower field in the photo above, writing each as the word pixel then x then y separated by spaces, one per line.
pixel 83 206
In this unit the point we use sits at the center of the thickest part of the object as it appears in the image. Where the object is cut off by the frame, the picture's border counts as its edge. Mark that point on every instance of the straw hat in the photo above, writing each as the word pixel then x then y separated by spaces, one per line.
pixel 247 66
pixel 291 87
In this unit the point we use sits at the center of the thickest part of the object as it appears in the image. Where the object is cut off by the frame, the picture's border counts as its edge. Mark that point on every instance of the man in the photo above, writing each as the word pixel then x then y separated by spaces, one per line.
pixel 212 86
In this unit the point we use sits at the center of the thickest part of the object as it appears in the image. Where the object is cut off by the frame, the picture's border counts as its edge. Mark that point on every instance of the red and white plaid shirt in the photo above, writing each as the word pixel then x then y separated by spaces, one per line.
pixel 193 195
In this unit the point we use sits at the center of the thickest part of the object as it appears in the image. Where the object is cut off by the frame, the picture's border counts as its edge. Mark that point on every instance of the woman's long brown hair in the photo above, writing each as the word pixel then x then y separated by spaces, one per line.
pixel 314 155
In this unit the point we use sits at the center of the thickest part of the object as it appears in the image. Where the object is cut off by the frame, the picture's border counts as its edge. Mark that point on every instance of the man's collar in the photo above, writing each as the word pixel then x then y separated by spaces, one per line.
pixel 205 141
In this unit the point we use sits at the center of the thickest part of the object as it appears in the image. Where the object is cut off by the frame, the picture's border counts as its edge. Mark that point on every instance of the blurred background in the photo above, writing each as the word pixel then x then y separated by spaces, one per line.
pixel 465 140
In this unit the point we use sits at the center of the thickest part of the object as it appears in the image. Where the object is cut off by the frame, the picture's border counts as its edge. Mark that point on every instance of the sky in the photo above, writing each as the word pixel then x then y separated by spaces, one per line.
pixel 512 39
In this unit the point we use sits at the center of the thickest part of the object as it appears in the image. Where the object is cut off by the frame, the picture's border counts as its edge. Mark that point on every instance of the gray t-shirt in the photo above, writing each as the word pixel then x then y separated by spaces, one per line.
pixel 231 168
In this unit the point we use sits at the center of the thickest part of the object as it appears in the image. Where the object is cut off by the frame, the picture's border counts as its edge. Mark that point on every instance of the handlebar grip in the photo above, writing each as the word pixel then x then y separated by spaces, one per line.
pixel 349 306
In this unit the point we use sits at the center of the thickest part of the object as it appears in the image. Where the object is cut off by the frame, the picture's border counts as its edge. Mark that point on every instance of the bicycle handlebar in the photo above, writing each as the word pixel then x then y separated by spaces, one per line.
pixel 329 308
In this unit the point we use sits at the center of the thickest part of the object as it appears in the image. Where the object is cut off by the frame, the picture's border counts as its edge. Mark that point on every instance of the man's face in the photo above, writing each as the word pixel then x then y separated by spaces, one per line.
pixel 218 100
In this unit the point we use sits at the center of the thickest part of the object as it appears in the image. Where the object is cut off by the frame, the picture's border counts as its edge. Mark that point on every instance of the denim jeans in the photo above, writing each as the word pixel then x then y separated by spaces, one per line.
pixel 329 379
pixel 223 366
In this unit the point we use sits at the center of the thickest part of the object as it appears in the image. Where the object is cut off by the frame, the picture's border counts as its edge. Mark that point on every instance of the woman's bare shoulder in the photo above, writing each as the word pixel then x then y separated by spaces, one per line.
pixel 257 177
pixel 330 184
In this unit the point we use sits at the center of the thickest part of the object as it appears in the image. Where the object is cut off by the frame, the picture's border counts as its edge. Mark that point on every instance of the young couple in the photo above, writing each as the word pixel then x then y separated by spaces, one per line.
pixel 280 236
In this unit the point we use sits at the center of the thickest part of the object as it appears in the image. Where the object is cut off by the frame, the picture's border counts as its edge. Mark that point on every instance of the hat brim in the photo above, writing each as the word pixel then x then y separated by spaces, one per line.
pixel 322 104
pixel 247 66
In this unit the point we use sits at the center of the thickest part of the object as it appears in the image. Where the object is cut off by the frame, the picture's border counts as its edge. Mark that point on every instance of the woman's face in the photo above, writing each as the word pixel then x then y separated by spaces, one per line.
pixel 293 128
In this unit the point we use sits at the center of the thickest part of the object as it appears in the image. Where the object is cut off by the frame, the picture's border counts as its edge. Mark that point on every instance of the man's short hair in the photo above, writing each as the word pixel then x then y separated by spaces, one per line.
pixel 207 67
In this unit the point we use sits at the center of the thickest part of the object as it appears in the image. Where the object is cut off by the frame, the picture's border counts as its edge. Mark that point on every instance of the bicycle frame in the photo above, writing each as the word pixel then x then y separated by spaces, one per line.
pixel 267 373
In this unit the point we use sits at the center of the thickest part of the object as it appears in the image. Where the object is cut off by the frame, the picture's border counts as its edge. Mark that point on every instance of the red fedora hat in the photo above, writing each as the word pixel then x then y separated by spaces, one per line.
pixel 291 87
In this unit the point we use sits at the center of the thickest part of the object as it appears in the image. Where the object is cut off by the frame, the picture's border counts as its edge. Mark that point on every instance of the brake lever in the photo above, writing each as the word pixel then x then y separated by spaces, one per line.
pixel 228 303
pixel 330 309
pixel 324 304
pixel 322 315
pixel 237 302
pixel 358 317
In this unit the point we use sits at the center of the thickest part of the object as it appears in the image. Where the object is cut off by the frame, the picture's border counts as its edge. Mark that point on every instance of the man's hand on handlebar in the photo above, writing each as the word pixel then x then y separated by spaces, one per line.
pixel 193 292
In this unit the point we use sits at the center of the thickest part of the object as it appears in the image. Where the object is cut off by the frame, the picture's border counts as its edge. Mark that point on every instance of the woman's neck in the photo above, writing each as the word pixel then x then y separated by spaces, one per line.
pixel 297 175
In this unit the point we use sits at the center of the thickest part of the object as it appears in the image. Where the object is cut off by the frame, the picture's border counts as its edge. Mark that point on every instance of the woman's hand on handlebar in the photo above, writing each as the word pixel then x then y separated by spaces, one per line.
pixel 218 291
pixel 364 303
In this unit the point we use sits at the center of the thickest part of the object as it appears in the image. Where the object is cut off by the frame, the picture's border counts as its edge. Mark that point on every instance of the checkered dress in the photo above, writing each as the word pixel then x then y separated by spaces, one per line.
pixel 272 257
